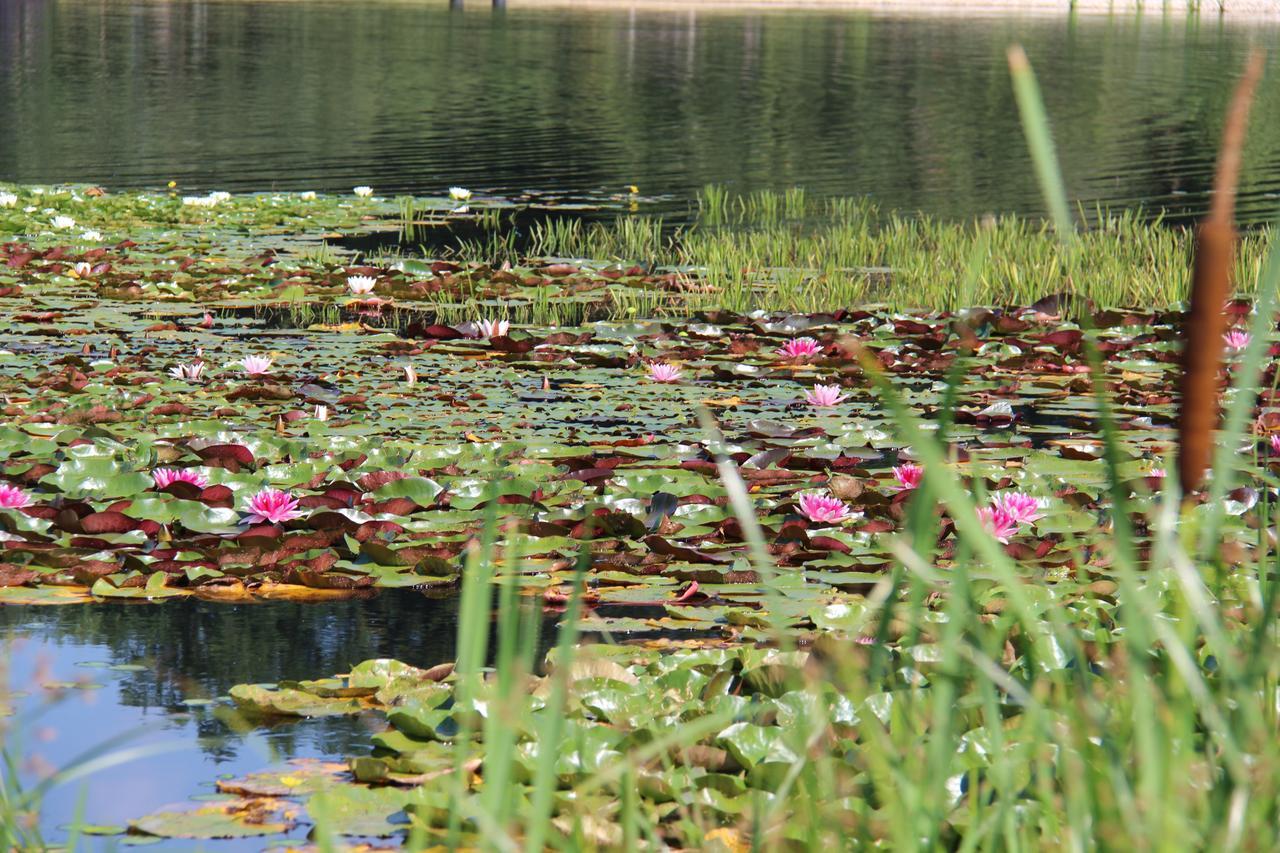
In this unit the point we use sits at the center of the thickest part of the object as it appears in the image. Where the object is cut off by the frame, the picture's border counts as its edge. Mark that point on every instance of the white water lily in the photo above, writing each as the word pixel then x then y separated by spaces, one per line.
pixel 309 195
pixel 199 201
pixel 362 191
pixel 63 222
pixel 8 199
pixel 493 328
pixel 92 236
pixel 83 269
pixel 322 413
pixel 359 285
pixel 219 195
pixel 459 193
pixel 410 375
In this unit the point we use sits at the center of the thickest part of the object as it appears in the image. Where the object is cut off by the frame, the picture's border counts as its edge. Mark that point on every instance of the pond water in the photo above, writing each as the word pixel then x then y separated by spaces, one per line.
pixel 412 97
pixel 173 658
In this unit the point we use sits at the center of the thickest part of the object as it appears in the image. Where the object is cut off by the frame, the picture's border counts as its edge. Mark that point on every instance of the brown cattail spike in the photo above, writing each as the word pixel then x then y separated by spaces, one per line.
pixel 1210 289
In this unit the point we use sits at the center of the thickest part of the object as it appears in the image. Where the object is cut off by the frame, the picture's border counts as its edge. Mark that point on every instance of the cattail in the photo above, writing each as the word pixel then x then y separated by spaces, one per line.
pixel 1210 288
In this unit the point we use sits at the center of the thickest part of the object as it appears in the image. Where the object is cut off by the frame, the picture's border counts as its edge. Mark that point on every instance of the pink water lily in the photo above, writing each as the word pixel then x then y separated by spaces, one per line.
pixel 1236 339
pixel 660 371
pixel 11 497
pixel 1019 506
pixel 824 396
pixel 908 475
pixel 167 476
pixel 800 348
pixel 255 365
pixel 191 372
pixel 493 328
pixel 822 508
pixel 1275 443
pixel 998 523
pixel 273 506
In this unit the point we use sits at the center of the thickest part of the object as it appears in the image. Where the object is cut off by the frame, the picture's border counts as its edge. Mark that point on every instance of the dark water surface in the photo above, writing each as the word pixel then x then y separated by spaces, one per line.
pixel 324 95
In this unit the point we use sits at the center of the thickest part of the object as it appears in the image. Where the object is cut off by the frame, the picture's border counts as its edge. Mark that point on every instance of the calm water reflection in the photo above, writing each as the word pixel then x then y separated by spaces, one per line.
pixel 196 650
pixel 407 97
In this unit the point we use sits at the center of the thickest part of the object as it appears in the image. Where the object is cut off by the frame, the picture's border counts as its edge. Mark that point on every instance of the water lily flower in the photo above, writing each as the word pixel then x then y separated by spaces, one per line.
pixel 1160 473
pixel 272 505
pixel 322 412
pixel 191 372
pixel 82 269
pixel 91 236
pixel 822 508
pixel 1236 340
pixel 11 497
pixel 823 396
pixel 459 193
pixel 1275 443
pixel 908 475
pixel 255 365
pixel 362 191
pixel 800 348
pixel 1019 506
pixel 660 371
pixel 220 195
pixel 8 199
pixel 199 201
pixel 493 328
pixel 998 523
pixel 63 222
pixel 309 195
pixel 167 476
pixel 410 375
pixel 359 285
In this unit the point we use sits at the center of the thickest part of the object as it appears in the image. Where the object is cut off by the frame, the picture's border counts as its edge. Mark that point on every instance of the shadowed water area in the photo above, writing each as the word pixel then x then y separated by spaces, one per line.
pixel 411 97
pixel 571 106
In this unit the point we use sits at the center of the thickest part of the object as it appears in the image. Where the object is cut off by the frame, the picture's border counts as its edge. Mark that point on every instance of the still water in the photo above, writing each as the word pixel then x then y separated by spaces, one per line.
pixel 172 659
pixel 413 97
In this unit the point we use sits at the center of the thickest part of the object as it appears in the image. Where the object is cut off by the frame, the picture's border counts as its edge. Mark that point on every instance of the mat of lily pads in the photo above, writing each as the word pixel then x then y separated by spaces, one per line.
pixel 168 430
pixel 401 783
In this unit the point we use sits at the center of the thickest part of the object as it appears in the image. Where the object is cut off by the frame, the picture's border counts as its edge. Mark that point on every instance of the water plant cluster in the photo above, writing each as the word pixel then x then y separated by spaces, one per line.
pixel 904 577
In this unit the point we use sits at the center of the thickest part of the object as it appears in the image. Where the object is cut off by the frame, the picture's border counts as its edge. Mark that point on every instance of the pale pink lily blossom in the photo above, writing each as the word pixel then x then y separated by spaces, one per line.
pixel 1019 506
pixel 822 508
pixel 272 506
pixel 1275 443
pixel 798 348
pixel 255 365
pixel 1236 340
pixel 998 523
pixel 660 371
pixel 359 285
pixel 168 476
pixel 493 328
pixel 908 475
pixel 191 372
pixel 824 396
pixel 11 497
